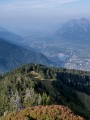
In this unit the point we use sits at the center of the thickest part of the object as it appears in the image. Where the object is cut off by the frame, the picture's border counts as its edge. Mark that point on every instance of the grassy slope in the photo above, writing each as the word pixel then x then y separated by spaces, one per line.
pixel 85 99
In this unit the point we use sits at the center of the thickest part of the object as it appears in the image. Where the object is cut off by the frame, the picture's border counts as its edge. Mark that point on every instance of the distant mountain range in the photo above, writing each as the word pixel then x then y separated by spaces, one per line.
pixel 9 36
pixel 12 56
pixel 75 29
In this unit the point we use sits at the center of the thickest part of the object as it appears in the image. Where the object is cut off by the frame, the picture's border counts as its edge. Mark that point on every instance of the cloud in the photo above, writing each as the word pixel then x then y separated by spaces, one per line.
pixel 46 3
pixel 34 3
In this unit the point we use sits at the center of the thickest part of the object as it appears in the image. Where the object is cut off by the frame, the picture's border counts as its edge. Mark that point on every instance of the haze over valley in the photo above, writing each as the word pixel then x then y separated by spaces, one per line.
pixel 68 46
pixel 44 59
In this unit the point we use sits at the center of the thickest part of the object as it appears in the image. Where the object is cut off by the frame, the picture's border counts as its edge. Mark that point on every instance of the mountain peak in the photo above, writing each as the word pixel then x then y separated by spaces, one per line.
pixel 75 29
pixel 84 20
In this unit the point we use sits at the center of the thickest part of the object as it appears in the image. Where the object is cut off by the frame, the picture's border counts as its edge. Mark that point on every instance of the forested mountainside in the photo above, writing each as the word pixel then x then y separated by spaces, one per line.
pixel 53 112
pixel 36 84
pixel 13 56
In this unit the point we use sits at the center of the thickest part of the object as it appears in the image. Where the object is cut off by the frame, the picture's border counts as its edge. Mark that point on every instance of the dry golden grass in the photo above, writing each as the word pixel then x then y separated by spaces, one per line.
pixel 36 75
pixel 53 112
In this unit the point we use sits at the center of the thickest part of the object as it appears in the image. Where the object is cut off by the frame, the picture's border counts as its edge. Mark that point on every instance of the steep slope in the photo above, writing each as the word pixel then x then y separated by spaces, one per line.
pixel 12 56
pixel 75 29
pixel 9 36
pixel 54 112
pixel 33 85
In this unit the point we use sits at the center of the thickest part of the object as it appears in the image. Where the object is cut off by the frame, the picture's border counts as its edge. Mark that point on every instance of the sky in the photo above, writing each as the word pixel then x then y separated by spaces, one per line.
pixel 41 13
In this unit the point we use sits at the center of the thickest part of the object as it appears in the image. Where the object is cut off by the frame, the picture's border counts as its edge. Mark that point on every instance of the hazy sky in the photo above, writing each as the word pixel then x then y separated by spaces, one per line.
pixel 31 13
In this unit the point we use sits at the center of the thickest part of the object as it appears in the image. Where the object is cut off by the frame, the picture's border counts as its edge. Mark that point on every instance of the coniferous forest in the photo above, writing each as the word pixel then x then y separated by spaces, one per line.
pixel 35 85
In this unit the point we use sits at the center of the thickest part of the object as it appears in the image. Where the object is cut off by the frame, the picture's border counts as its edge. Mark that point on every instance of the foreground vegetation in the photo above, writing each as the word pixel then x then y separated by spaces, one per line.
pixel 55 112
pixel 34 85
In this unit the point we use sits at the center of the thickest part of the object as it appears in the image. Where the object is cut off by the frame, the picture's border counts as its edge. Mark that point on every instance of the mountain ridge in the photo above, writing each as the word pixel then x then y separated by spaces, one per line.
pixel 36 84
pixel 12 56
